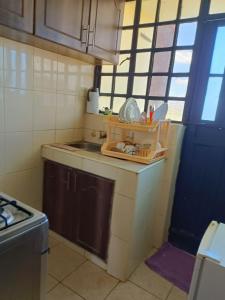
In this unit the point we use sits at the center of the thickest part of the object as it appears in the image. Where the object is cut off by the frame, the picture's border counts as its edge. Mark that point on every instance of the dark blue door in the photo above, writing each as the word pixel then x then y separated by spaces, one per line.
pixel 200 188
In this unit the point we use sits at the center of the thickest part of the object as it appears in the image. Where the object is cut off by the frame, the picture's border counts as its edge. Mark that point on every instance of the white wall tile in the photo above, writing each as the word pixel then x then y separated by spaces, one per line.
pixel 93 121
pixel 78 134
pixel 18 110
pixel 68 75
pixel 44 111
pixel 1 183
pixel 1 62
pixel 63 136
pixel 2 108
pixel 65 111
pixel 15 183
pixel 80 104
pixel 126 179
pixel 2 153
pixel 29 81
pixel 118 258
pixel 45 70
pixel 86 79
pixel 40 138
pixel 122 216
pixel 92 136
pixel 18 65
pixel 18 151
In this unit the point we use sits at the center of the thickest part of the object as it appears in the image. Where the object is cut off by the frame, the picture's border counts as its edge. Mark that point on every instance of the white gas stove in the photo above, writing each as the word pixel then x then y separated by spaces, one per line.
pixel 23 250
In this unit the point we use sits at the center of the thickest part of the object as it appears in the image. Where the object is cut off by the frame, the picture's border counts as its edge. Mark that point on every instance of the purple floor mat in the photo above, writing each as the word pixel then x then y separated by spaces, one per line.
pixel 174 265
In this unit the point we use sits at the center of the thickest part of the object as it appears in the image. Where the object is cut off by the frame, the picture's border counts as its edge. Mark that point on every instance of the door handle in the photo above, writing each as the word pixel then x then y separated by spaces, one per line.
pixel 84 35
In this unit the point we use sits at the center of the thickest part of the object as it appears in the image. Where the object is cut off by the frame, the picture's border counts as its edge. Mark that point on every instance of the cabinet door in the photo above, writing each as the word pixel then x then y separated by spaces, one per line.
pixel 105 29
pixel 64 22
pixel 17 14
pixel 58 202
pixel 50 191
pixel 94 201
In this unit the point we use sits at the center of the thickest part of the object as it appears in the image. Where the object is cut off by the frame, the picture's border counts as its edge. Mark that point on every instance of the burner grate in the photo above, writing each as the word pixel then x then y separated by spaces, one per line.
pixel 20 213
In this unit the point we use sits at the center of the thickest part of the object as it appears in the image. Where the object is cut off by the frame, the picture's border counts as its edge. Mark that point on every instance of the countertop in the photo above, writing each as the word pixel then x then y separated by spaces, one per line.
pixel 98 157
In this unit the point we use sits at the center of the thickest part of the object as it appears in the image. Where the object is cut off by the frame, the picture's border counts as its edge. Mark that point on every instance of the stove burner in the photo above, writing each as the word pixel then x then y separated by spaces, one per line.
pixel 6 216
pixel 11 213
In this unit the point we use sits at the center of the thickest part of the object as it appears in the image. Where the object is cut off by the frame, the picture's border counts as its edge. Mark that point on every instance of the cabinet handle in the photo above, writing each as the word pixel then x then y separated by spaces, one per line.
pixel 92 44
pixel 84 35
pixel 68 181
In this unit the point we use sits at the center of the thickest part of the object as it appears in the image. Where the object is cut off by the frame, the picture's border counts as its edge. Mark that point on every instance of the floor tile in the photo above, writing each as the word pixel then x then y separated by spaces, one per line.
pixel 52 242
pixel 151 281
pixel 62 261
pixel 91 282
pixel 177 294
pixel 51 282
pixel 60 292
pixel 129 291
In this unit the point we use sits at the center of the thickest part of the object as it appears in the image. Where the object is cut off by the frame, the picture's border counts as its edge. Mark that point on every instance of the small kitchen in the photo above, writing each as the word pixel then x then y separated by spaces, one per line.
pixel 111 160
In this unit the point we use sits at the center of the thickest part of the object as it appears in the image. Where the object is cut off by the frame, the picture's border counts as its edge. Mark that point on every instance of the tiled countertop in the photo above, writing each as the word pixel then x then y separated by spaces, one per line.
pixel 51 149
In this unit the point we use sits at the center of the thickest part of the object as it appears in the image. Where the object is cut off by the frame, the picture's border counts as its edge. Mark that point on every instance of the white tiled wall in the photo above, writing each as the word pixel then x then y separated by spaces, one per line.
pixel 42 100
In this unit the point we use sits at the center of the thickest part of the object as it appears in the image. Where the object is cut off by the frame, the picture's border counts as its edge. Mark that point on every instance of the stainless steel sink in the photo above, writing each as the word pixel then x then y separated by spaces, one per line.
pixel 86 146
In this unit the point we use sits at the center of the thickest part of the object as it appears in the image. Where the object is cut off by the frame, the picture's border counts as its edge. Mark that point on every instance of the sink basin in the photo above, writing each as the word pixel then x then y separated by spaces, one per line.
pixel 86 146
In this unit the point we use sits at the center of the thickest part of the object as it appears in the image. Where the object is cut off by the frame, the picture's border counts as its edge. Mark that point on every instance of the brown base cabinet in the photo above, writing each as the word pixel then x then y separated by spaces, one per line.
pixel 78 205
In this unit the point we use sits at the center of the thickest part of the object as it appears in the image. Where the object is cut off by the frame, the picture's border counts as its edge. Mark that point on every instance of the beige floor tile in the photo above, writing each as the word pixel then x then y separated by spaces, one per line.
pixel 177 294
pixel 91 282
pixel 62 261
pixel 51 282
pixel 129 291
pixel 52 242
pixel 151 281
pixel 60 292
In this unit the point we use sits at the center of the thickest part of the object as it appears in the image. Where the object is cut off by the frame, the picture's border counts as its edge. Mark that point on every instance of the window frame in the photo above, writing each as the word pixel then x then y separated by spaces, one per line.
pixel 202 75
pixel 200 20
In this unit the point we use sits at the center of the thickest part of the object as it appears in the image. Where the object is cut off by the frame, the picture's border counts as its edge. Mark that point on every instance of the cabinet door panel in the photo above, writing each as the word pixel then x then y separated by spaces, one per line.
pixel 94 196
pixel 57 197
pixel 63 22
pixel 17 14
pixel 105 28
pixel 50 191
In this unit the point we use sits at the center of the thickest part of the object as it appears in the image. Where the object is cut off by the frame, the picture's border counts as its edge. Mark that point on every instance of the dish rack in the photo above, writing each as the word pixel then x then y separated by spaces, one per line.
pixel 154 135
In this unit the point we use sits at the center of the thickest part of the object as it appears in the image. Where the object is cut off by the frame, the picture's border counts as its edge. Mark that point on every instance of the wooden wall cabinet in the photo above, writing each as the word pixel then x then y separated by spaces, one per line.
pixel 78 205
pixel 89 26
pixel 64 22
pixel 105 29
pixel 17 14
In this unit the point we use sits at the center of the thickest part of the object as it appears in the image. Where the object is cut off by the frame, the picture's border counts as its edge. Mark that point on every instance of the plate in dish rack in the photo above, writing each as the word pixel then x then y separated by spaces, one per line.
pixel 130 112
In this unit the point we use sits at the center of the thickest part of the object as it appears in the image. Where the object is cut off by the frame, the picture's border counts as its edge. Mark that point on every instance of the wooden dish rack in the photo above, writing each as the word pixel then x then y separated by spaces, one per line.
pixel 155 134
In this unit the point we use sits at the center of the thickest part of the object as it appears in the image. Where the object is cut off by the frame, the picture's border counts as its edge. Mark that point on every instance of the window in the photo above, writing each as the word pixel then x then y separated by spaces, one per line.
pixel 158 41
pixel 215 77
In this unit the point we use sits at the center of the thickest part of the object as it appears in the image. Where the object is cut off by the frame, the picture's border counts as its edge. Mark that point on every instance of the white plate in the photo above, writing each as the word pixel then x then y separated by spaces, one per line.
pixel 130 112
pixel 160 112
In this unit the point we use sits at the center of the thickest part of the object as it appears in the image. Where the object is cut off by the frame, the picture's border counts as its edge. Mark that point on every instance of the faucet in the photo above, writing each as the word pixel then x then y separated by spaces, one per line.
pixel 102 134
